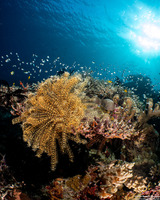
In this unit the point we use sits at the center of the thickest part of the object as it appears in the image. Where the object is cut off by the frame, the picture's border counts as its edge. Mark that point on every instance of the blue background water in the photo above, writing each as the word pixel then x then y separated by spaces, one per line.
pixel 95 33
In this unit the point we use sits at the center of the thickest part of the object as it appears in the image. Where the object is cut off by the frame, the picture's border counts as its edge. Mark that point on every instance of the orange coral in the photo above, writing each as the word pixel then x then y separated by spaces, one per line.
pixel 55 192
pixel 78 183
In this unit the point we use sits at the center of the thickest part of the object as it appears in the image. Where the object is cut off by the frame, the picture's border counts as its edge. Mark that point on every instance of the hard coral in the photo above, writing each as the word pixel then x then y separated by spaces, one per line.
pixel 113 176
pixel 50 115
pixel 149 112
pixel 56 191
pixel 101 131
pixel 137 183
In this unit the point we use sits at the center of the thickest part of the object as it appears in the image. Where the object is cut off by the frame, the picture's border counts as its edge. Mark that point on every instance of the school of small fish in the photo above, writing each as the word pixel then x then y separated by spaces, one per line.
pixel 41 68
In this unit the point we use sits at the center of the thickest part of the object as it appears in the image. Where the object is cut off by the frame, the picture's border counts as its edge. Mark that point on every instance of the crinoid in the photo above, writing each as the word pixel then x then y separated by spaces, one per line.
pixel 51 114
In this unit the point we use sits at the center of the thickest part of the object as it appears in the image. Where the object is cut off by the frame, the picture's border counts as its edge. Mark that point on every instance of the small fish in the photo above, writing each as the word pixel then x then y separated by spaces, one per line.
pixel 29 77
pixel 12 72
pixel 125 90
pixel 109 81
pixel 13 84
pixel 7 60
pixel 144 96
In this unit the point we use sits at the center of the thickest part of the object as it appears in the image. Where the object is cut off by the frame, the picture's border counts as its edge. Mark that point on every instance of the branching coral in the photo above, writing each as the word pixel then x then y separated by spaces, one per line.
pixel 113 176
pixel 137 183
pixel 101 131
pixel 50 115
pixel 149 112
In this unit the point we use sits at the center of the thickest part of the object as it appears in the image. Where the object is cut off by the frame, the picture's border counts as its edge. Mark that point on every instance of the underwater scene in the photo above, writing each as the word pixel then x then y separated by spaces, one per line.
pixel 79 100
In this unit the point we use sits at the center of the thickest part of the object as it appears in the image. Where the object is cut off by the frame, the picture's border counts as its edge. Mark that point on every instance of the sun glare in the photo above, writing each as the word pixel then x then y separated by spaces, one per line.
pixel 148 44
pixel 145 30
pixel 150 37
pixel 147 38
pixel 152 31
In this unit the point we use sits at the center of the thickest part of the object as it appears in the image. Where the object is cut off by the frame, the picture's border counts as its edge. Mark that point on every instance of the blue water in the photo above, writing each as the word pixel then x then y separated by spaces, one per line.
pixel 109 37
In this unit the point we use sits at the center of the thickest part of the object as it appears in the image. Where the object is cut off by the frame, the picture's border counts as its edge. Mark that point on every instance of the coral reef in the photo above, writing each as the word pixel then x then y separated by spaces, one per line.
pixel 104 181
pixel 115 129
pixel 116 120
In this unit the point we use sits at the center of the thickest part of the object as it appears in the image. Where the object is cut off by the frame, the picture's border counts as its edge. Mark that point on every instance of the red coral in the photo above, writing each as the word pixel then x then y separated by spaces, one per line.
pixel 56 191
pixel 152 193
pixel 25 88
pixel 89 193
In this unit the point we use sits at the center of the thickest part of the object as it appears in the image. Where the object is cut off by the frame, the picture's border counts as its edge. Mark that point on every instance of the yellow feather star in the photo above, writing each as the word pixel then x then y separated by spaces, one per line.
pixel 51 114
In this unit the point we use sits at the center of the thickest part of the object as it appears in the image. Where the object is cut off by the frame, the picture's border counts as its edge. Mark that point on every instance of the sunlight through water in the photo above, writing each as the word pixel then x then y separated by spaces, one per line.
pixel 145 31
